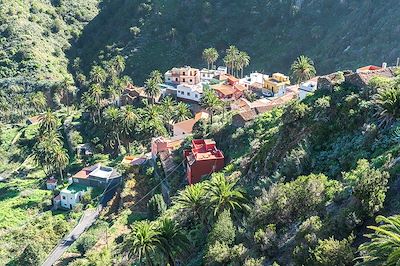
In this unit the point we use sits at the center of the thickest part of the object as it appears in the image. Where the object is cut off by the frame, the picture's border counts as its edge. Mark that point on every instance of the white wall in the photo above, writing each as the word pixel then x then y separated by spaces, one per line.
pixel 186 92
pixel 306 88
pixel 68 199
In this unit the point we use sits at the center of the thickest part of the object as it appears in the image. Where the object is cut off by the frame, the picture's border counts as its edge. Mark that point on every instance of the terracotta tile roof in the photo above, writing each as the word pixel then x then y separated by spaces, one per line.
pixel 224 89
pixel 232 79
pixel 51 181
pixel 369 68
pixel 247 115
pixel 186 126
pixel 240 87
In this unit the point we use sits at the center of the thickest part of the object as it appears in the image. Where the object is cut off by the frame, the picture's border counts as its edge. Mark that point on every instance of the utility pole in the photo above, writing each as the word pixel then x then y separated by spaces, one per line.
pixel 398 62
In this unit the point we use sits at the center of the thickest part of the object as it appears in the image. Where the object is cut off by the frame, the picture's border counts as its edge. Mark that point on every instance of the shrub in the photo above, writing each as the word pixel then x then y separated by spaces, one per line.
pixel 156 206
pixel 85 243
pixel 223 230
pixel 333 252
pixel 266 240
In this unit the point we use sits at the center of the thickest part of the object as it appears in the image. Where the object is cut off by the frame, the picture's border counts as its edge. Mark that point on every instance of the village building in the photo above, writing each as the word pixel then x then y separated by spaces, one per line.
pixel 97 176
pixel 186 127
pixel 307 88
pixel 133 95
pixel 51 183
pixel 190 93
pixel 182 75
pixel 276 85
pixel 209 74
pixel 360 79
pixel 253 79
pixel 130 160
pixel 162 144
pixel 71 195
pixel 202 160
pixel 369 68
pixel 230 89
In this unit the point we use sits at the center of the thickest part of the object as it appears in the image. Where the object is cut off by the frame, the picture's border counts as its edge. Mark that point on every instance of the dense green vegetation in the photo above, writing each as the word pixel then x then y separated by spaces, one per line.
pixel 163 34
pixel 302 183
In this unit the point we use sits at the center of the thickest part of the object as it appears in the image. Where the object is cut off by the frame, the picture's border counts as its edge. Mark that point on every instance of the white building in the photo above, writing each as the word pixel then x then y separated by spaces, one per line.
pixel 72 195
pixel 208 74
pixel 51 183
pixel 307 88
pixel 252 79
pixel 190 92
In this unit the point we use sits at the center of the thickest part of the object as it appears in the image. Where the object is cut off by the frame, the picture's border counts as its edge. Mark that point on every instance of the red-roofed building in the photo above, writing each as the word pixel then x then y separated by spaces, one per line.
pixel 203 159
pixel 368 68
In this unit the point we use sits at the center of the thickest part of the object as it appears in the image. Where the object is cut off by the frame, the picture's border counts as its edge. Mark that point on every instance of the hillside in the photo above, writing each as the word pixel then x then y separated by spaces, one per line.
pixel 161 34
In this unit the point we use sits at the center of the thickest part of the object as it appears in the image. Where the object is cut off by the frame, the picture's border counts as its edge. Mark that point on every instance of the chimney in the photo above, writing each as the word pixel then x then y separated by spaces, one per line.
pixel 384 65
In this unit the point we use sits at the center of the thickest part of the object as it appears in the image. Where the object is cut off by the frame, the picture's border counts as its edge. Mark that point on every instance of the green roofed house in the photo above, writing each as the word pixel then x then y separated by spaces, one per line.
pixel 72 195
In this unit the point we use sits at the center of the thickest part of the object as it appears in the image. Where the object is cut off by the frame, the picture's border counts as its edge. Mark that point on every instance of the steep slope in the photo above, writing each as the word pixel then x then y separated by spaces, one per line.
pixel 161 34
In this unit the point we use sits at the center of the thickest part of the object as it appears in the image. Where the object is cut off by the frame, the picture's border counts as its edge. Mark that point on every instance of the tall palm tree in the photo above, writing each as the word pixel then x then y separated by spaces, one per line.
pixel 143 241
pixel 388 104
pixel 96 91
pixel 182 112
pixel 112 121
pixel 66 87
pixel 90 105
pixel 128 119
pixel 98 75
pixel 193 201
pixel 230 59
pixel 225 195
pixel 48 122
pixel 60 159
pixel 152 88
pixel 384 247
pixel 243 61
pixel 118 64
pixel 210 102
pixel 172 239
pixel 303 69
pixel 43 150
pixel 210 55
pixel 168 110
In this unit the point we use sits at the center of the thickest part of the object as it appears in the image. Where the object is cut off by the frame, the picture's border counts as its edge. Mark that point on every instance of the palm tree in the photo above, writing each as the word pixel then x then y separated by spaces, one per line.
pixel 90 105
pixel 152 88
pixel 48 122
pixel 66 88
pixel 112 120
pixel 98 75
pixel 151 113
pixel 243 61
pixel 225 195
pixel 118 64
pixel 143 241
pixel 192 200
pixel 128 120
pixel 303 69
pixel 230 59
pixel 182 112
pixel 39 101
pixel 60 159
pixel 43 150
pixel 210 55
pixel 210 102
pixel 384 247
pixel 96 91
pixel 168 106
pixel 172 239
pixel 388 104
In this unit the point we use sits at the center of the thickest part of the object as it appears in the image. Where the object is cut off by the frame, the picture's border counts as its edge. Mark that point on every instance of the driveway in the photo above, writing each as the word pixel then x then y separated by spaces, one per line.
pixel 87 220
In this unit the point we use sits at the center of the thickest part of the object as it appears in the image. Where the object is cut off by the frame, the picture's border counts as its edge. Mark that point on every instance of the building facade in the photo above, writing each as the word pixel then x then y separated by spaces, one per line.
pixel 72 195
pixel 276 84
pixel 191 93
pixel 202 160
pixel 182 75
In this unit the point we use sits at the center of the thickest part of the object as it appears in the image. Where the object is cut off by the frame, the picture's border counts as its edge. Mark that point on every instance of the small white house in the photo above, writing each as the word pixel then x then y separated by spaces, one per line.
pixel 190 92
pixel 208 74
pixel 307 88
pixel 72 195
pixel 51 183
pixel 252 79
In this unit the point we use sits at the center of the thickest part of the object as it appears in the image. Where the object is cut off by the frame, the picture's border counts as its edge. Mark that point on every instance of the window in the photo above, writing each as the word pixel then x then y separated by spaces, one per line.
pixel 183 74
pixel 197 96
pixel 63 197
pixel 183 80
pixel 188 94
pixel 176 79
pixel 191 80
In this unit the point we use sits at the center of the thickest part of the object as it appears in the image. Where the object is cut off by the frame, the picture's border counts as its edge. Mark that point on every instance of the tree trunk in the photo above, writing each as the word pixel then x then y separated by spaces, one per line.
pixel 171 260
pixel 61 175
pixel 148 259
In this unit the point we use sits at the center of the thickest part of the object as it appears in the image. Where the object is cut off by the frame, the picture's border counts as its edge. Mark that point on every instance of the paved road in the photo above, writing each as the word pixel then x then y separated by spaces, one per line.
pixel 87 220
